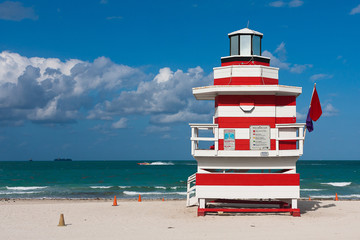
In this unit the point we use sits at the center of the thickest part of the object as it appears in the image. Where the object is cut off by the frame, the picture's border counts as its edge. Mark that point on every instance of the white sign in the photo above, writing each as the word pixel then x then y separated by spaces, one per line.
pixel 229 139
pixel 260 137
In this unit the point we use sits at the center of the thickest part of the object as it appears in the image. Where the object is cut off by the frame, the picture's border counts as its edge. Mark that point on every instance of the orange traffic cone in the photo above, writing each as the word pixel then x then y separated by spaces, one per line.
pixel 139 200
pixel 336 197
pixel 309 198
pixel 115 202
pixel 61 221
pixel 163 199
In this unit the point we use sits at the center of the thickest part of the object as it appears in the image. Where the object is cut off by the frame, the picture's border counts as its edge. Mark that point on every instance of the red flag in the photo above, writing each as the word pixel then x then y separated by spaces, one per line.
pixel 315 107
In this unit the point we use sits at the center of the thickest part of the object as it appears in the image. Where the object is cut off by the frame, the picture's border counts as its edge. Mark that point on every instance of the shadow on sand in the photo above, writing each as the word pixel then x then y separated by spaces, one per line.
pixel 312 205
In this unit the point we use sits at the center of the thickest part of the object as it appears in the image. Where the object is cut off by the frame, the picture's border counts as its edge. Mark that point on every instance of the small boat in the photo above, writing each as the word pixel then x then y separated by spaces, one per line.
pixel 143 163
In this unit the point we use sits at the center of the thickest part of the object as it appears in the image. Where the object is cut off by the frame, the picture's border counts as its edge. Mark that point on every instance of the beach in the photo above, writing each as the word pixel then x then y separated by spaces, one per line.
pixel 156 219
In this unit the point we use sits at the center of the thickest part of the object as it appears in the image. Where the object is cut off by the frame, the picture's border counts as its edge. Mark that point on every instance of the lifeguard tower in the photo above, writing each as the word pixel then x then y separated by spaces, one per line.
pixel 255 141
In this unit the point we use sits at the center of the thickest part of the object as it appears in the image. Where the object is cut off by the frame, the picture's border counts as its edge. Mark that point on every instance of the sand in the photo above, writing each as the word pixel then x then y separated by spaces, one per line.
pixel 98 219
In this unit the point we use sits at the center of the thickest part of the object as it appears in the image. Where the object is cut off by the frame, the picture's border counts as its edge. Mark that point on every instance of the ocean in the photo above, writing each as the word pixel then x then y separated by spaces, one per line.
pixel 160 179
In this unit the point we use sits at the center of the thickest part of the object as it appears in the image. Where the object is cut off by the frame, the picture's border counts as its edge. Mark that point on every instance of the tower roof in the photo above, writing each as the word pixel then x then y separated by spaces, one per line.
pixel 245 31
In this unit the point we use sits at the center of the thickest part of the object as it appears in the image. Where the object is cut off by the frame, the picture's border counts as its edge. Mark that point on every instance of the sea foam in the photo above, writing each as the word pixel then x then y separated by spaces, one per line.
pixel 8 193
pixel 100 187
pixel 24 188
pixel 337 184
pixel 131 193
pixel 311 190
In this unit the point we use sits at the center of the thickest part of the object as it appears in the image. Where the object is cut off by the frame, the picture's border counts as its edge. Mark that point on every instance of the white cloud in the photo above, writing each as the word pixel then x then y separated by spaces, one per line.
pixel 167 98
pixel 291 4
pixel 181 116
pixel 295 3
pixel 278 59
pixel 277 4
pixel 355 10
pixel 329 110
pixel 122 123
pixel 281 48
pixel 321 76
pixel 15 11
pixel 297 68
pixel 301 116
pixel 51 91
pixel 276 62
pixel 164 75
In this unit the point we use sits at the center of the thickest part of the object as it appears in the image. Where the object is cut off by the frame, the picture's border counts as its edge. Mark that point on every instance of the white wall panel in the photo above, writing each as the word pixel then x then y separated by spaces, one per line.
pixel 247 192
pixel 285 111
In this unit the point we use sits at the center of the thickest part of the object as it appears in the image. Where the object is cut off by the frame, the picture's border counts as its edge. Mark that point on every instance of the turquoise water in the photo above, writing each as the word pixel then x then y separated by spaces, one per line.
pixel 127 179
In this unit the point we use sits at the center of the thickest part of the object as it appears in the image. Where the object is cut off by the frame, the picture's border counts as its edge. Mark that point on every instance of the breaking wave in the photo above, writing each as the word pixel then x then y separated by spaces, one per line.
pixel 102 187
pixel 133 193
pixel 337 184
pixel 24 188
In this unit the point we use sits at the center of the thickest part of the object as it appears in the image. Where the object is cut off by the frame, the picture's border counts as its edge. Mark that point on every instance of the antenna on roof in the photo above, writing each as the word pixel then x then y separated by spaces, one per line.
pixel 247 26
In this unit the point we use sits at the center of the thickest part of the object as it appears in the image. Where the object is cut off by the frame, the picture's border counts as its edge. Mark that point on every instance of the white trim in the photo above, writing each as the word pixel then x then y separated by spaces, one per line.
pixel 210 92
pixel 247 192
pixel 247 163
pixel 246 71
pixel 245 31
pixel 247 153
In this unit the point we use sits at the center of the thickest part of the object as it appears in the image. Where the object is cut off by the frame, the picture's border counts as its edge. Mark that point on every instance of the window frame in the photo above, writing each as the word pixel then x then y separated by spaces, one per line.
pixel 251 43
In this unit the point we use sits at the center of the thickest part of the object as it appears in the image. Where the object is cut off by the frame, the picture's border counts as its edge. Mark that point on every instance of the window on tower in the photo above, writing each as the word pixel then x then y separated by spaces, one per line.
pixel 245 45
pixel 256 45
pixel 234 45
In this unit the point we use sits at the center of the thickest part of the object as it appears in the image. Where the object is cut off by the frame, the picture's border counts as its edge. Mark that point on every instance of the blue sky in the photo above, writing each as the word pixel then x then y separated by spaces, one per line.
pixel 111 80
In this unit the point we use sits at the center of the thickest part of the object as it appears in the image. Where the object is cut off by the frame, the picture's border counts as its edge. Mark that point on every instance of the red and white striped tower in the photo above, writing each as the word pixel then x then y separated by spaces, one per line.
pixel 256 140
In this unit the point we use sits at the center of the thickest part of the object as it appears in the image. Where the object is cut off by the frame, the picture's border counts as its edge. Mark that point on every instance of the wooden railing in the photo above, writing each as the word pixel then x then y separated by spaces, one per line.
pixel 195 139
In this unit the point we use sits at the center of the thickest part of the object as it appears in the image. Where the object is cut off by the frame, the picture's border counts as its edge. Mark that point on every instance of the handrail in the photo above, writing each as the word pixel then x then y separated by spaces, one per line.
pixel 195 127
pixel 280 129
pixel 191 189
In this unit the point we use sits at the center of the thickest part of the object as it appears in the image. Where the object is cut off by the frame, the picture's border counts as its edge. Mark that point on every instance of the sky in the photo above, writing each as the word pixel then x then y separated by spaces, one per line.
pixel 112 80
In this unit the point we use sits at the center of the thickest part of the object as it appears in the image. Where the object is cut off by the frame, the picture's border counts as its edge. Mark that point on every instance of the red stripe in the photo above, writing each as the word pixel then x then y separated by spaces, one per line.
pixel 259 100
pixel 244 63
pixel 285 101
pixel 287 145
pixel 285 120
pixel 244 122
pixel 246 81
pixel 221 144
pixel 234 179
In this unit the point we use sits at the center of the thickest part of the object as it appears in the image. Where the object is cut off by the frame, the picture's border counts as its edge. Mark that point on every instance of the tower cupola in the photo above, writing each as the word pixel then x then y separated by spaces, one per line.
pixel 245 42
pixel 245 49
